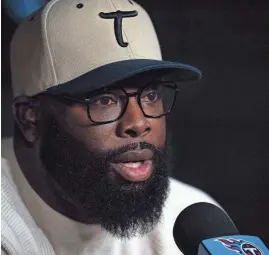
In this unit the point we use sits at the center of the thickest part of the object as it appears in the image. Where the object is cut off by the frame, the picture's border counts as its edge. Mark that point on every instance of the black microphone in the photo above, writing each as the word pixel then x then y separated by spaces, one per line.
pixel 205 229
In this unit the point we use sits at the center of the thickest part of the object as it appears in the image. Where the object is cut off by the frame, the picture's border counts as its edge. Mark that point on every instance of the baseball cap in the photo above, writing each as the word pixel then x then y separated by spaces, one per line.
pixel 76 46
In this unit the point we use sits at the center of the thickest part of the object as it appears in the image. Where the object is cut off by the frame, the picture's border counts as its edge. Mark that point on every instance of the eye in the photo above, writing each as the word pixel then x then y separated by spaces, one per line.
pixel 150 96
pixel 103 100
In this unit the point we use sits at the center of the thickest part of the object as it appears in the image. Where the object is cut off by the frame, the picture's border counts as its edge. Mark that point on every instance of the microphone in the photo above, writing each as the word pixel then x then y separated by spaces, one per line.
pixel 204 229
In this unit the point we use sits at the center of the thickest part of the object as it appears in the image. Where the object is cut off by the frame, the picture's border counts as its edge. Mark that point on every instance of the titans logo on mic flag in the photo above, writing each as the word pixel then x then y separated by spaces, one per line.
pixel 240 246
pixel 234 244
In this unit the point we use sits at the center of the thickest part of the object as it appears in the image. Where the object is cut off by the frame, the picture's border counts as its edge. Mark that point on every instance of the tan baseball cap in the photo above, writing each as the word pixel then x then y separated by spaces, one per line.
pixel 75 46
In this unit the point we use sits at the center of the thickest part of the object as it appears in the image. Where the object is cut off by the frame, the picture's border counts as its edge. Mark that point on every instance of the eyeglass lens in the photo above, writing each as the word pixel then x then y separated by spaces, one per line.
pixel 155 100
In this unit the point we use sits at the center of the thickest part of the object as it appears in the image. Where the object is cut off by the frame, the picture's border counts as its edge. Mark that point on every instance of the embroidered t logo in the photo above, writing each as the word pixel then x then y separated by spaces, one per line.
pixel 118 16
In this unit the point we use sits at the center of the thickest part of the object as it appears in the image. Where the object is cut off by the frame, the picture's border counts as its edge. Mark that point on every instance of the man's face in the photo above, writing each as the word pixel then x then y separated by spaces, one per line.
pixel 112 174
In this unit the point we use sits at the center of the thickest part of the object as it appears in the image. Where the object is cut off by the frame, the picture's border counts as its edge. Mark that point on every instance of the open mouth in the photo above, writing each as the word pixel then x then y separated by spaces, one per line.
pixel 135 166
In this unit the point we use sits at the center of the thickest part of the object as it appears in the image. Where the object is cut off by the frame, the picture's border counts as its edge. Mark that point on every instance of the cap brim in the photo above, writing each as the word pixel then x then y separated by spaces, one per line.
pixel 112 73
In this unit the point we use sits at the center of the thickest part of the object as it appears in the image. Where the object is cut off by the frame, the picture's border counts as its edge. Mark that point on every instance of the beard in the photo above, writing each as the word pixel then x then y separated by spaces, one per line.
pixel 87 183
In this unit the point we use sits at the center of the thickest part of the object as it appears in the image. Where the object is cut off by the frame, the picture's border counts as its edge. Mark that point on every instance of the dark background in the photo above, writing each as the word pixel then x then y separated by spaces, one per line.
pixel 221 125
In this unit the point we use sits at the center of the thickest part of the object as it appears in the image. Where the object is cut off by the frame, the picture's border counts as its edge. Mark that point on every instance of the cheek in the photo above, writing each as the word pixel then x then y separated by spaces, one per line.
pixel 77 123
pixel 101 137
pixel 77 114
pixel 158 132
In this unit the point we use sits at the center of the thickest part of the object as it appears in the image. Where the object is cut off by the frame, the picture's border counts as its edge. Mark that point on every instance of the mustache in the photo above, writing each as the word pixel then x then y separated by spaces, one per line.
pixel 110 154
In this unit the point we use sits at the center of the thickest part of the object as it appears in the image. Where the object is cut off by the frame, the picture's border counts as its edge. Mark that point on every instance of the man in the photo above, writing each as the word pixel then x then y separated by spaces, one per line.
pixel 87 170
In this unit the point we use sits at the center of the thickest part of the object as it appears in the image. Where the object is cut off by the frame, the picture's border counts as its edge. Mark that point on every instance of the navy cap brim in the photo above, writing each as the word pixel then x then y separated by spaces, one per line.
pixel 110 74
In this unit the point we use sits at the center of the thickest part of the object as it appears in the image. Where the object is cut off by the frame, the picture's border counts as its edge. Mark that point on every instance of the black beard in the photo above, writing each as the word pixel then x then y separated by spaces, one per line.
pixel 85 180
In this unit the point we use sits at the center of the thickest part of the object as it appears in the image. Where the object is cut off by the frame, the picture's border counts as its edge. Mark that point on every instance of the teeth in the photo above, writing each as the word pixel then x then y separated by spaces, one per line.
pixel 133 164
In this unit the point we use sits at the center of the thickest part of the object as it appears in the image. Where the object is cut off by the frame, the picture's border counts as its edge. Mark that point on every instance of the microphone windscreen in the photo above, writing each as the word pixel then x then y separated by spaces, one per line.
pixel 198 222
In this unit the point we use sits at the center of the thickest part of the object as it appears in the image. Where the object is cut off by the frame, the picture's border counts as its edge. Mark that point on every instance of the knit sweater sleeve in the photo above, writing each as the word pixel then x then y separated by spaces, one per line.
pixel 19 232
pixel 3 251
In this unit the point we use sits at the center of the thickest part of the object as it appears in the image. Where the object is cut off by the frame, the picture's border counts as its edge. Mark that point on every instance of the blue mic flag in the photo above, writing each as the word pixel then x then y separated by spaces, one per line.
pixel 232 245
pixel 18 10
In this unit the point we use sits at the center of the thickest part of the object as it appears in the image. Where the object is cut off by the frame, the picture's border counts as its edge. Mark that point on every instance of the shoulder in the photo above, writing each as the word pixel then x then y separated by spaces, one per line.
pixel 182 195
pixel 19 232
pixel 6 145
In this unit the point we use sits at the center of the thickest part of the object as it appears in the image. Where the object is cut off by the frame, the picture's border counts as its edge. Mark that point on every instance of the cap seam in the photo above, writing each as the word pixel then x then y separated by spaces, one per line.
pixel 130 51
pixel 47 42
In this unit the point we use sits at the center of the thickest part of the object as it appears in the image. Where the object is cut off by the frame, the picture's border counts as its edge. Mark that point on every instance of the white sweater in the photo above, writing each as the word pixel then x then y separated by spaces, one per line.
pixel 30 226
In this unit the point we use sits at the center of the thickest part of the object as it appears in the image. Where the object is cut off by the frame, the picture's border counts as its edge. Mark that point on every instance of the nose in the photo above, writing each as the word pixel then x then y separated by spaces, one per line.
pixel 133 123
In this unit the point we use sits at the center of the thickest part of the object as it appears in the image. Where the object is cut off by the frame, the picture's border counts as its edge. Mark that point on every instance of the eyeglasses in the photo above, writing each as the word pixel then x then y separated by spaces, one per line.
pixel 109 104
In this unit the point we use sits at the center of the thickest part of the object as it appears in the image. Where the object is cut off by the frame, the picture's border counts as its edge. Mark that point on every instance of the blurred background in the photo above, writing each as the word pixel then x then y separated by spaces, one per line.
pixel 221 125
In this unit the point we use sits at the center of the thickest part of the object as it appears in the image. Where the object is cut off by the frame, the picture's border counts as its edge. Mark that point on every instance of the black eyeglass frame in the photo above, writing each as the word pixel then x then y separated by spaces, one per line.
pixel 137 94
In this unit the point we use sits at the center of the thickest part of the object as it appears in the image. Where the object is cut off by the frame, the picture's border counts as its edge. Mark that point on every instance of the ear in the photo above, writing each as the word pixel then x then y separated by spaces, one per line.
pixel 25 114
